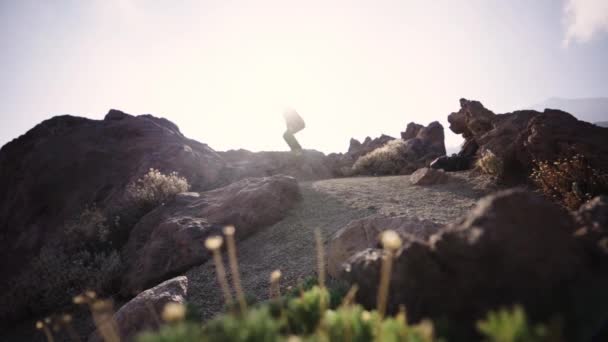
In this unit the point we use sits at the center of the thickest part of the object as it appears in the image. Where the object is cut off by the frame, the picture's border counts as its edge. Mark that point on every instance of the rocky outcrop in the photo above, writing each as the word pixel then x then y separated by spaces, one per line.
pixel 411 131
pixel 170 239
pixel 356 149
pixel 341 164
pixel 404 156
pixel 144 312
pixel 514 247
pixel 64 164
pixel 429 176
pixel 364 233
pixel 63 167
pixel 520 137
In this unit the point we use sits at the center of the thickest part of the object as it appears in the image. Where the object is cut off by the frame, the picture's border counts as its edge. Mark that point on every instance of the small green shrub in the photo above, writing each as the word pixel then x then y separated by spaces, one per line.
pixel 256 325
pixel 155 188
pixel 569 181
pixel 513 326
pixel 348 324
pixel 304 313
pixel 337 290
pixel 490 164
pixel 185 331
pixel 303 318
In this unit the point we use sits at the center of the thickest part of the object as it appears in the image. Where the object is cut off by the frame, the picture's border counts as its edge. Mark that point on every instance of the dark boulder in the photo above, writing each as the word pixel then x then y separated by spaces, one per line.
pixel 514 247
pixel 144 312
pixel 429 176
pixel 364 233
pixel 170 239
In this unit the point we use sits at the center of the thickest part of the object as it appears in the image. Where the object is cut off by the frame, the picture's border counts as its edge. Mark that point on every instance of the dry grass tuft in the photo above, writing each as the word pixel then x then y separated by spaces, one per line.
pixel 490 164
pixel 155 188
pixel 386 160
pixel 391 242
pixel 569 181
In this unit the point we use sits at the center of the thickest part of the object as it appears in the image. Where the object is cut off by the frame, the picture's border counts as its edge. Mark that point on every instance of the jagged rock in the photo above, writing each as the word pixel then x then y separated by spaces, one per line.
pixel 170 239
pixel 472 120
pixel 143 312
pixel 354 145
pixel 115 114
pixel 417 147
pixel 514 247
pixel 428 176
pixel 357 150
pixel 404 156
pixel 520 137
pixel 363 233
pixel 411 131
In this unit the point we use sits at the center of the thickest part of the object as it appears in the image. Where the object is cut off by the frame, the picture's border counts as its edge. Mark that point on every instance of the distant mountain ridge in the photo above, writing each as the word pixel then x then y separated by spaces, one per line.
pixel 602 123
pixel 593 109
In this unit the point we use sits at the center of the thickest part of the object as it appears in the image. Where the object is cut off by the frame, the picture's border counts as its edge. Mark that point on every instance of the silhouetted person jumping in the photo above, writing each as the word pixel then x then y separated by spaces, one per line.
pixel 294 123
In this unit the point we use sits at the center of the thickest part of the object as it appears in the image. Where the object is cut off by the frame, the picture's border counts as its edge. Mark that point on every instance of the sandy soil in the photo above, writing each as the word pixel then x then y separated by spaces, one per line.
pixel 329 205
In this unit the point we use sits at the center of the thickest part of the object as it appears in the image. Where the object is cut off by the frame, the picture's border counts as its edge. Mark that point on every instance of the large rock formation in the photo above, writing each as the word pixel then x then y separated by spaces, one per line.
pixel 54 174
pixel 404 156
pixel 66 163
pixel 520 137
pixel 364 233
pixel 144 312
pixel 514 247
pixel 170 239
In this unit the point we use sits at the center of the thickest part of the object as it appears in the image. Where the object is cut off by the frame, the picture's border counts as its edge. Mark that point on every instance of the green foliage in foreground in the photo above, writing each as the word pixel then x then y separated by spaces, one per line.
pixel 311 318
pixel 512 325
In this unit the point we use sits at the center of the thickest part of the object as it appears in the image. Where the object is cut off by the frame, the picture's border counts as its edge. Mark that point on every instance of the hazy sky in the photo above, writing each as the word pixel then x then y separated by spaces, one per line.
pixel 224 70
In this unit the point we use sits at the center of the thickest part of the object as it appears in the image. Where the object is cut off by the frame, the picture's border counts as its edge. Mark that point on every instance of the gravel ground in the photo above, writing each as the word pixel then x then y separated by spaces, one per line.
pixel 329 205
pixel 289 245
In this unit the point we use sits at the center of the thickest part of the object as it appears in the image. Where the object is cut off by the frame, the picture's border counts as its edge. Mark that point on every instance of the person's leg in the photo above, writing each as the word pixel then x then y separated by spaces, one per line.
pixel 290 139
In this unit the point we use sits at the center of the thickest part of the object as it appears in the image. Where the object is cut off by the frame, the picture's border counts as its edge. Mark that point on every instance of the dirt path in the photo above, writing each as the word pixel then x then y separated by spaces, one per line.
pixel 329 205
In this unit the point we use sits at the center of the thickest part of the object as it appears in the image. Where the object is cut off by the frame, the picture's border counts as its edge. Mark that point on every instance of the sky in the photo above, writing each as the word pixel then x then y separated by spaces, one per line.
pixel 225 70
